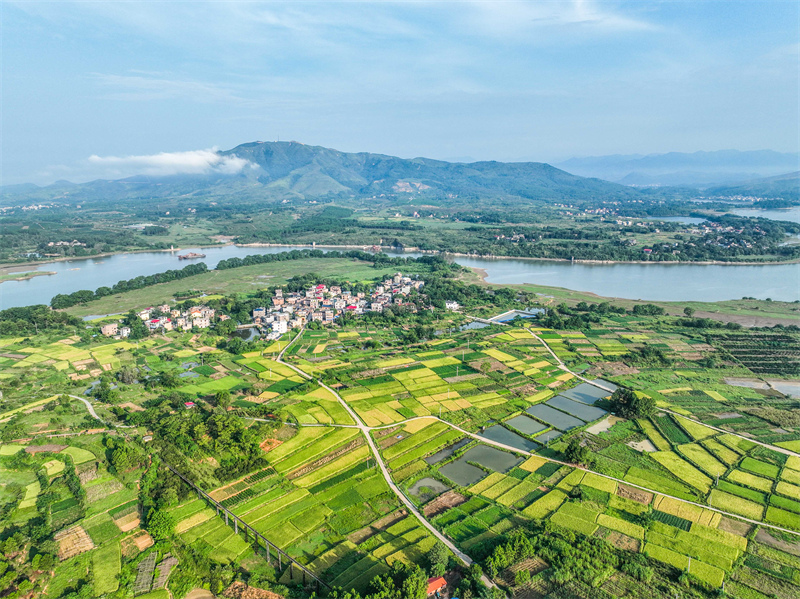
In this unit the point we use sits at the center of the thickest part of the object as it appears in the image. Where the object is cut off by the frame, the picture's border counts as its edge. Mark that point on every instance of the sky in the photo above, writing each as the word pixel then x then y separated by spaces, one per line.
pixel 105 89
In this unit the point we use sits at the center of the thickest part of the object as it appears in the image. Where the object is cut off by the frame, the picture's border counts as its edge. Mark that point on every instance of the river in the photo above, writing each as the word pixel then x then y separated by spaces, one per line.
pixel 657 282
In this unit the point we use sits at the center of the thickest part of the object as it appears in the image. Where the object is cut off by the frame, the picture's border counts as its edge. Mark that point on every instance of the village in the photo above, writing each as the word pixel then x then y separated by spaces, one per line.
pixel 287 311
pixel 325 304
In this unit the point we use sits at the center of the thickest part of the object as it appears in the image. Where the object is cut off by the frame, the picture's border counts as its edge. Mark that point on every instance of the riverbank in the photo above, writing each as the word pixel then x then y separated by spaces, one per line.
pixel 394 251
pixel 367 248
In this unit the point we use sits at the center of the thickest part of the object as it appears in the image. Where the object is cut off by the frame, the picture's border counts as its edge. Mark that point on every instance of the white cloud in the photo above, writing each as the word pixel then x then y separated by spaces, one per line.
pixel 195 162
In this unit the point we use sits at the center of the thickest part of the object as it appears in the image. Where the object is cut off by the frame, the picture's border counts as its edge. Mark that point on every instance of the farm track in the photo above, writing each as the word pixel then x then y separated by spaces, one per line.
pixel 366 431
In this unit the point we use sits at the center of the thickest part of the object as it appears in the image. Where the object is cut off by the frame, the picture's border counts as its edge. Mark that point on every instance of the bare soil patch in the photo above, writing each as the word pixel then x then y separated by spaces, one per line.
pixel 73 541
pixel 129 405
pixel 239 590
pixel 134 544
pixel 129 525
pixel 613 369
pixel 269 444
pixel 762 536
pixel 200 594
pixel 621 541
pixel 443 503
pixel 643 445
pixel 34 449
pixel 634 494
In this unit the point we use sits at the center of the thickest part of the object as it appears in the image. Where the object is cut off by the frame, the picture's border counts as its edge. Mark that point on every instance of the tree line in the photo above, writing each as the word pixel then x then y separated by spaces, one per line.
pixel 67 300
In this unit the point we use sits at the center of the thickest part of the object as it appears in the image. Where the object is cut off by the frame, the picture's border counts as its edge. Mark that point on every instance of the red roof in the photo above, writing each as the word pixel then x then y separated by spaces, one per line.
pixel 351 307
pixel 435 584
pixel 320 286
pixel 189 404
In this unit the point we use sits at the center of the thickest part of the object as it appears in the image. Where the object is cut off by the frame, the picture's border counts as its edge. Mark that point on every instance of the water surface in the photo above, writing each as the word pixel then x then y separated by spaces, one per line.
pixel 658 282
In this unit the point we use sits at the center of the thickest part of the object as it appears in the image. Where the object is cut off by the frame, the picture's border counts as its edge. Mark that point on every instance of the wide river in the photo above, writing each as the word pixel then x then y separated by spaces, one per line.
pixel 661 282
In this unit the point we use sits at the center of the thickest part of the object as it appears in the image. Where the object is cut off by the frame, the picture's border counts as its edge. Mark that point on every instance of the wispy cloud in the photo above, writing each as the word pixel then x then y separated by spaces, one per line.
pixel 161 86
pixel 195 162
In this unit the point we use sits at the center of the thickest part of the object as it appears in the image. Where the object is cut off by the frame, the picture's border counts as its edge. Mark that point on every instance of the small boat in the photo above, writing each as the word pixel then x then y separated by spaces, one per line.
pixel 190 256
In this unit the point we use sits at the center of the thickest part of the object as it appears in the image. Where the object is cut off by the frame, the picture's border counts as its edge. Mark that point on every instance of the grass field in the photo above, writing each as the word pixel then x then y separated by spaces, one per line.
pixel 736 505
pixel 106 567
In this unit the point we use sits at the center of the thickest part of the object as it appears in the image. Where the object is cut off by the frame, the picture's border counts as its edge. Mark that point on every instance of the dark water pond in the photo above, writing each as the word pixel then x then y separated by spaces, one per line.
pixel 553 417
pixel 461 473
pixel 501 434
pixel 446 452
pixel 526 425
pixel 589 394
pixel 491 458
pixel 549 436
pixel 427 488
pixel 576 408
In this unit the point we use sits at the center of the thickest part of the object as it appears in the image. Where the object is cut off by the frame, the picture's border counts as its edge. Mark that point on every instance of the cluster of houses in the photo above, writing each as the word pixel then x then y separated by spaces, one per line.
pixel 167 318
pixel 325 304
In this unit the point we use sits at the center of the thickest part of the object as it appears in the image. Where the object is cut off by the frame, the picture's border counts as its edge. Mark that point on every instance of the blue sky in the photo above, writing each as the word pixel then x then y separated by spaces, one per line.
pixel 105 89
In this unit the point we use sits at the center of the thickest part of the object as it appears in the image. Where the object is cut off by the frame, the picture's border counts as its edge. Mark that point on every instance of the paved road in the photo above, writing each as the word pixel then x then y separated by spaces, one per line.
pixel 89 407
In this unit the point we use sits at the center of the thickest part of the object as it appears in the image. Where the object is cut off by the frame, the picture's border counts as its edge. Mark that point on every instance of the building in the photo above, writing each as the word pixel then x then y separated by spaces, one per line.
pixel 437 587
pixel 109 330
pixel 451 305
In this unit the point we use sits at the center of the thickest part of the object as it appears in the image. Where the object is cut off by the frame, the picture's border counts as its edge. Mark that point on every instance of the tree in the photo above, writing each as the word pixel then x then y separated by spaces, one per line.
pixel 689 311
pixel 577 453
pixel 160 524
pixel 225 327
pixel 128 375
pixel 438 559
pixel 223 399
pixel 137 326
pixel 629 404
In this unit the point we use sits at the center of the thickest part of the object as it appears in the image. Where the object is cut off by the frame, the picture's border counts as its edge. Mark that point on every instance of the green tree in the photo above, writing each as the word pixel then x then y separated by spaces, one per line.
pixel 160 524
pixel 225 327
pixel 222 399
pixel 628 404
pixel 577 453
pixel 689 311
pixel 137 326
pixel 438 559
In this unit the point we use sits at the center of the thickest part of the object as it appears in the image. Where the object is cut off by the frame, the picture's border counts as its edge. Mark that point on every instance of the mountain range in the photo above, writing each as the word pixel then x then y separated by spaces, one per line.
pixel 292 170
pixel 278 171
pixel 698 169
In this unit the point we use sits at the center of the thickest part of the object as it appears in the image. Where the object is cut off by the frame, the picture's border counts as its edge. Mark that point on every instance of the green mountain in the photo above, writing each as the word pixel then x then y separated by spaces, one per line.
pixel 291 170
pixel 295 168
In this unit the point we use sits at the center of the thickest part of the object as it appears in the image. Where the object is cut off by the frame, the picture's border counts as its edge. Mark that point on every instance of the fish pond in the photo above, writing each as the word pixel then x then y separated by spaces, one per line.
pixel 501 434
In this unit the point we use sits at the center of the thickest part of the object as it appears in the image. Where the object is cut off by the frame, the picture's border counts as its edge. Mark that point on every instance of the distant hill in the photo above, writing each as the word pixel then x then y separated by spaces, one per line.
pixel 698 169
pixel 285 170
pixel 786 187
